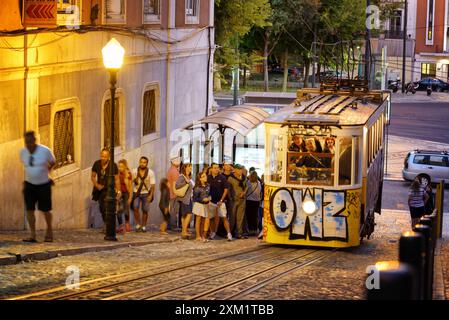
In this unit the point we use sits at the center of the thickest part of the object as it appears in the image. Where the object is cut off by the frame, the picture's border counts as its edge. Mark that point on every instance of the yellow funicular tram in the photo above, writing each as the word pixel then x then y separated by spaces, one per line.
pixel 324 166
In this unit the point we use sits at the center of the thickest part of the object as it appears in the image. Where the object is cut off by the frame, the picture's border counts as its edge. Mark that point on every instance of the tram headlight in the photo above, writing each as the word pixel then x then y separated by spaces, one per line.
pixel 309 207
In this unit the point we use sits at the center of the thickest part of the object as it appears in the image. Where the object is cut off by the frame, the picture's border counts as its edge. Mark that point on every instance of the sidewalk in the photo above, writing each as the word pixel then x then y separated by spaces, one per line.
pixel 71 242
pixel 420 97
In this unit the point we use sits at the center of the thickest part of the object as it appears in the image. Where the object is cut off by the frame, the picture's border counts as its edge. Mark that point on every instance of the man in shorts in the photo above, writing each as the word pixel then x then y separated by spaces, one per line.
pixel 38 160
pixel 144 187
pixel 219 188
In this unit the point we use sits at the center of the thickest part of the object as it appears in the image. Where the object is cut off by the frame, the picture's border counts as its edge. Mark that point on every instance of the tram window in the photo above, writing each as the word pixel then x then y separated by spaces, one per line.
pixel 345 162
pixel 311 160
pixel 276 155
pixel 356 161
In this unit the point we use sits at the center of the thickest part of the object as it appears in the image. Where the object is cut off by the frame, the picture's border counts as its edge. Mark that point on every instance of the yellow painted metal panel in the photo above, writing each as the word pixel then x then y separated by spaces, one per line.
pixel 335 223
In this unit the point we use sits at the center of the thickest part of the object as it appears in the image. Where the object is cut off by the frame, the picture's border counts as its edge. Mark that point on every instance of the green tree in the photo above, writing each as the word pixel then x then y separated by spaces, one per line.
pixel 233 20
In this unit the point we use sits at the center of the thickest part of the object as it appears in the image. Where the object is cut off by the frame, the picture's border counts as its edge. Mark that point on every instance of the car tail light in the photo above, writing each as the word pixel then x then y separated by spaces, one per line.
pixel 406 161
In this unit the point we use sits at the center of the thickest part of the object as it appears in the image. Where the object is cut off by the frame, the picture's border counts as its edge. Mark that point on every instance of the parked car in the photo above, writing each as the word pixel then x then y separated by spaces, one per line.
pixel 436 84
pixel 430 165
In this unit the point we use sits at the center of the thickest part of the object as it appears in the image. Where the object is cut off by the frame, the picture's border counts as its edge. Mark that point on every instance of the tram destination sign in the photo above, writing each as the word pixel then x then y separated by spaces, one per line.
pixel 40 13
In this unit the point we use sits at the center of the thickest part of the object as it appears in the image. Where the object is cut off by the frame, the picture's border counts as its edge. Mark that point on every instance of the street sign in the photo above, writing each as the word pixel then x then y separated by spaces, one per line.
pixel 40 13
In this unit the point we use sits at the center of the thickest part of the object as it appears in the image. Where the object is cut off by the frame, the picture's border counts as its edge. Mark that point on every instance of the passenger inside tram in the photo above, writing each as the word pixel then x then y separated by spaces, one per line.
pixel 298 144
pixel 311 165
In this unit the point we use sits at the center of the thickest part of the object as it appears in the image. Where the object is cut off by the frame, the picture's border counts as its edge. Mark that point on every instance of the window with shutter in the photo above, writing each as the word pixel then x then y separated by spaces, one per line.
pixel 149 112
pixel 63 143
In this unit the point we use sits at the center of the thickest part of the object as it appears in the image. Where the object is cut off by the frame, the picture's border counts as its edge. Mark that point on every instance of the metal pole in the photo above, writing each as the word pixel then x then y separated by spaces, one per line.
pixel 110 197
pixel 367 44
pixel 235 80
pixel 404 45
pixel 314 57
pixel 236 72
pixel 441 210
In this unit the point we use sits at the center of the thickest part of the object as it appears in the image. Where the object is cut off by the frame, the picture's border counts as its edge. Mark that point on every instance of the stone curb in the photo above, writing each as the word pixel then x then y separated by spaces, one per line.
pixel 15 258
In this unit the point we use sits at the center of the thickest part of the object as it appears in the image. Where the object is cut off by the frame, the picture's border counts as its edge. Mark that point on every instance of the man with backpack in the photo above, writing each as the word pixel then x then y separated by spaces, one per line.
pixel 144 185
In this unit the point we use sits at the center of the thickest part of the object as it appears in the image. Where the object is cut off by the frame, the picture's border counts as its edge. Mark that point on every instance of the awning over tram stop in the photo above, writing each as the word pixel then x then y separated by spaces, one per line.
pixel 242 119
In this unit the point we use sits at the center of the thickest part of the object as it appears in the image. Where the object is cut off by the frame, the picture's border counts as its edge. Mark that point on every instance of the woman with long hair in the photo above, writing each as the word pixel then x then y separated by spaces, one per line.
pixel 124 201
pixel 186 200
pixel 201 202
pixel 417 198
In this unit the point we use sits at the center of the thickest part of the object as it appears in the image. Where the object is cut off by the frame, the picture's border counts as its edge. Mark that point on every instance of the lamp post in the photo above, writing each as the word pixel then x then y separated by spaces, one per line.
pixel 113 54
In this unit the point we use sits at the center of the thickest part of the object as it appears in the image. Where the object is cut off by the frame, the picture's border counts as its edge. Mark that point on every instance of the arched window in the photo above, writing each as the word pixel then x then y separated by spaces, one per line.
pixel 65 134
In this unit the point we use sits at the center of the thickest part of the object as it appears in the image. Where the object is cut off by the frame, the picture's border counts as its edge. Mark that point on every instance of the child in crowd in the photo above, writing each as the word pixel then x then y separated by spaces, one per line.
pixel 164 205
pixel 201 202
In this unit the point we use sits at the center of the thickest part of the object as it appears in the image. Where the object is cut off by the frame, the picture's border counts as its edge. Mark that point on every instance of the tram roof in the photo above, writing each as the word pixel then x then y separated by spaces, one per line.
pixel 336 109
pixel 242 118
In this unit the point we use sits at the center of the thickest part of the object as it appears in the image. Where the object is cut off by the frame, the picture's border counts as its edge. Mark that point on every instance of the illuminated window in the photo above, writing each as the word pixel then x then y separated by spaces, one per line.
pixel 428 70
pixel 276 155
pixel 311 159
pixel 430 21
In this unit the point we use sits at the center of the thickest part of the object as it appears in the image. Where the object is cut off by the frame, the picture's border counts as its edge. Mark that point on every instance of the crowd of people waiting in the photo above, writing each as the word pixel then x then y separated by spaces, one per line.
pixel 228 194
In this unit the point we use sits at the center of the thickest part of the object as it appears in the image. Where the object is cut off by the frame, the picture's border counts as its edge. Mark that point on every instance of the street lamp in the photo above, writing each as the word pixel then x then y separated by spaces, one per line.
pixel 113 54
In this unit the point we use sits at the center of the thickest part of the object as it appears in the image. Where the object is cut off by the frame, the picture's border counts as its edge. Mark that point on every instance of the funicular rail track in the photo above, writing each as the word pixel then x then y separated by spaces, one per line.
pixel 220 276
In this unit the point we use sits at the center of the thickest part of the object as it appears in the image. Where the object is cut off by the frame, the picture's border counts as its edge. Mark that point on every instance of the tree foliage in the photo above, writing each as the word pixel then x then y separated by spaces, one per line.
pixel 324 31
pixel 233 20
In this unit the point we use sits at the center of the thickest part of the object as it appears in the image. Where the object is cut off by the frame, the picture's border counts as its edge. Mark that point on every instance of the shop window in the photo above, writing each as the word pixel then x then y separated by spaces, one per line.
pixel 428 70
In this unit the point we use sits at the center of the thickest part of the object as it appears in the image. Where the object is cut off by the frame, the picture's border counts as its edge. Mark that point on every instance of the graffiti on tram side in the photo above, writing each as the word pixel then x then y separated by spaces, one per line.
pixel 328 219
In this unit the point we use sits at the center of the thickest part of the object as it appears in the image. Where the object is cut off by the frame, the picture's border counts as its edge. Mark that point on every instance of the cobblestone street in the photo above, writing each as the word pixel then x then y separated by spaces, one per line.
pixel 340 275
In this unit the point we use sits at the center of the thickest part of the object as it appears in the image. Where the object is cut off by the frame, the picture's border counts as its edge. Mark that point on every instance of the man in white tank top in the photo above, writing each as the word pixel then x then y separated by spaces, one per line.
pixel 38 160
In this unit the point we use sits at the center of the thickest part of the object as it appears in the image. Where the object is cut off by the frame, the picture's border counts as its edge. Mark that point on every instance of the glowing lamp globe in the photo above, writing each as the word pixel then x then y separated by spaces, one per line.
pixel 309 207
pixel 113 54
